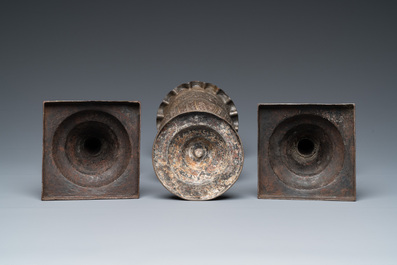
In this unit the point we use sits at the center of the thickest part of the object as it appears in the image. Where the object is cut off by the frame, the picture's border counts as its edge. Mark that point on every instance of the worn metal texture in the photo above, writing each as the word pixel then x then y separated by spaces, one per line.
pixel 306 151
pixel 91 150
pixel 197 153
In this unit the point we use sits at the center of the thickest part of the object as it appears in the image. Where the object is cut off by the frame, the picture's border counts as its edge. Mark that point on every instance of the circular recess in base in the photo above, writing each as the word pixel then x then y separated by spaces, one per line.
pixel 197 156
pixel 306 152
pixel 91 148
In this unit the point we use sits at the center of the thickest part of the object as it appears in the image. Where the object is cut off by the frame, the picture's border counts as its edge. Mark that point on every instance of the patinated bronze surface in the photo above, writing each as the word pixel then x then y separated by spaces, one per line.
pixel 306 151
pixel 91 150
pixel 197 153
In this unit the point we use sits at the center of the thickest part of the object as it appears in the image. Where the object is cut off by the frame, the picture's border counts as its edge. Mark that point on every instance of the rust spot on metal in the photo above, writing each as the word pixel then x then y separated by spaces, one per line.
pixel 197 153
pixel 306 151
pixel 91 150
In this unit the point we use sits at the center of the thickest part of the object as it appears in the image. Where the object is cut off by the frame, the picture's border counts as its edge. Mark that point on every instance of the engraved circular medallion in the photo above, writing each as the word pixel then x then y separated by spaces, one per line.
pixel 197 156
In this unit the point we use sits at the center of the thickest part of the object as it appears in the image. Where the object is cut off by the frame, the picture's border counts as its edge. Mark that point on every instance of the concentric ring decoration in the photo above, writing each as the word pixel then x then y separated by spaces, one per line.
pixel 306 152
pixel 197 156
pixel 86 148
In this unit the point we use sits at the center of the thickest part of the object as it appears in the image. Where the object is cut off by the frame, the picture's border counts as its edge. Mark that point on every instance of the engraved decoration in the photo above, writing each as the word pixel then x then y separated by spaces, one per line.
pixel 197 153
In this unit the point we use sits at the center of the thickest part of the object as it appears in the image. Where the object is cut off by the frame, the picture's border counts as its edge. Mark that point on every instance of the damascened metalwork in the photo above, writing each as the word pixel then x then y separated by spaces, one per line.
pixel 197 153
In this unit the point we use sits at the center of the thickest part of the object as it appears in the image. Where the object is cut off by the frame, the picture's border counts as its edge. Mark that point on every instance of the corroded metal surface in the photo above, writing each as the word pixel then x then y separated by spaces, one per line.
pixel 91 150
pixel 197 153
pixel 197 97
pixel 306 151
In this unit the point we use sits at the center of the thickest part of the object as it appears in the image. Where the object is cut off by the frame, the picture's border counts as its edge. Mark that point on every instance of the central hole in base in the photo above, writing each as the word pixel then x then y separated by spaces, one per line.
pixel 92 145
pixel 199 152
pixel 305 146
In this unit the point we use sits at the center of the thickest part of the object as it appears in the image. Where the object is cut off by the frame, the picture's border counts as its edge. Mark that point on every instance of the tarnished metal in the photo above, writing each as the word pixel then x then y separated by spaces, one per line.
pixel 306 151
pixel 91 150
pixel 197 153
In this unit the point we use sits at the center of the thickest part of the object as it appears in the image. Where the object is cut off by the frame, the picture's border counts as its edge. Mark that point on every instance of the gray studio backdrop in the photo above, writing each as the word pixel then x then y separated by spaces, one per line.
pixel 258 52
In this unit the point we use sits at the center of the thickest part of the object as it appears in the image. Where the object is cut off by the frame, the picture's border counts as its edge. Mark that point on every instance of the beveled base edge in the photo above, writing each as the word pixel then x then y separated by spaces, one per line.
pixel 317 198
pixel 73 198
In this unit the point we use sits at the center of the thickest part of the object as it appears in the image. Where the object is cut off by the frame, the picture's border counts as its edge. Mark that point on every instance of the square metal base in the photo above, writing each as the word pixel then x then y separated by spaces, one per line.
pixel 91 150
pixel 306 151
